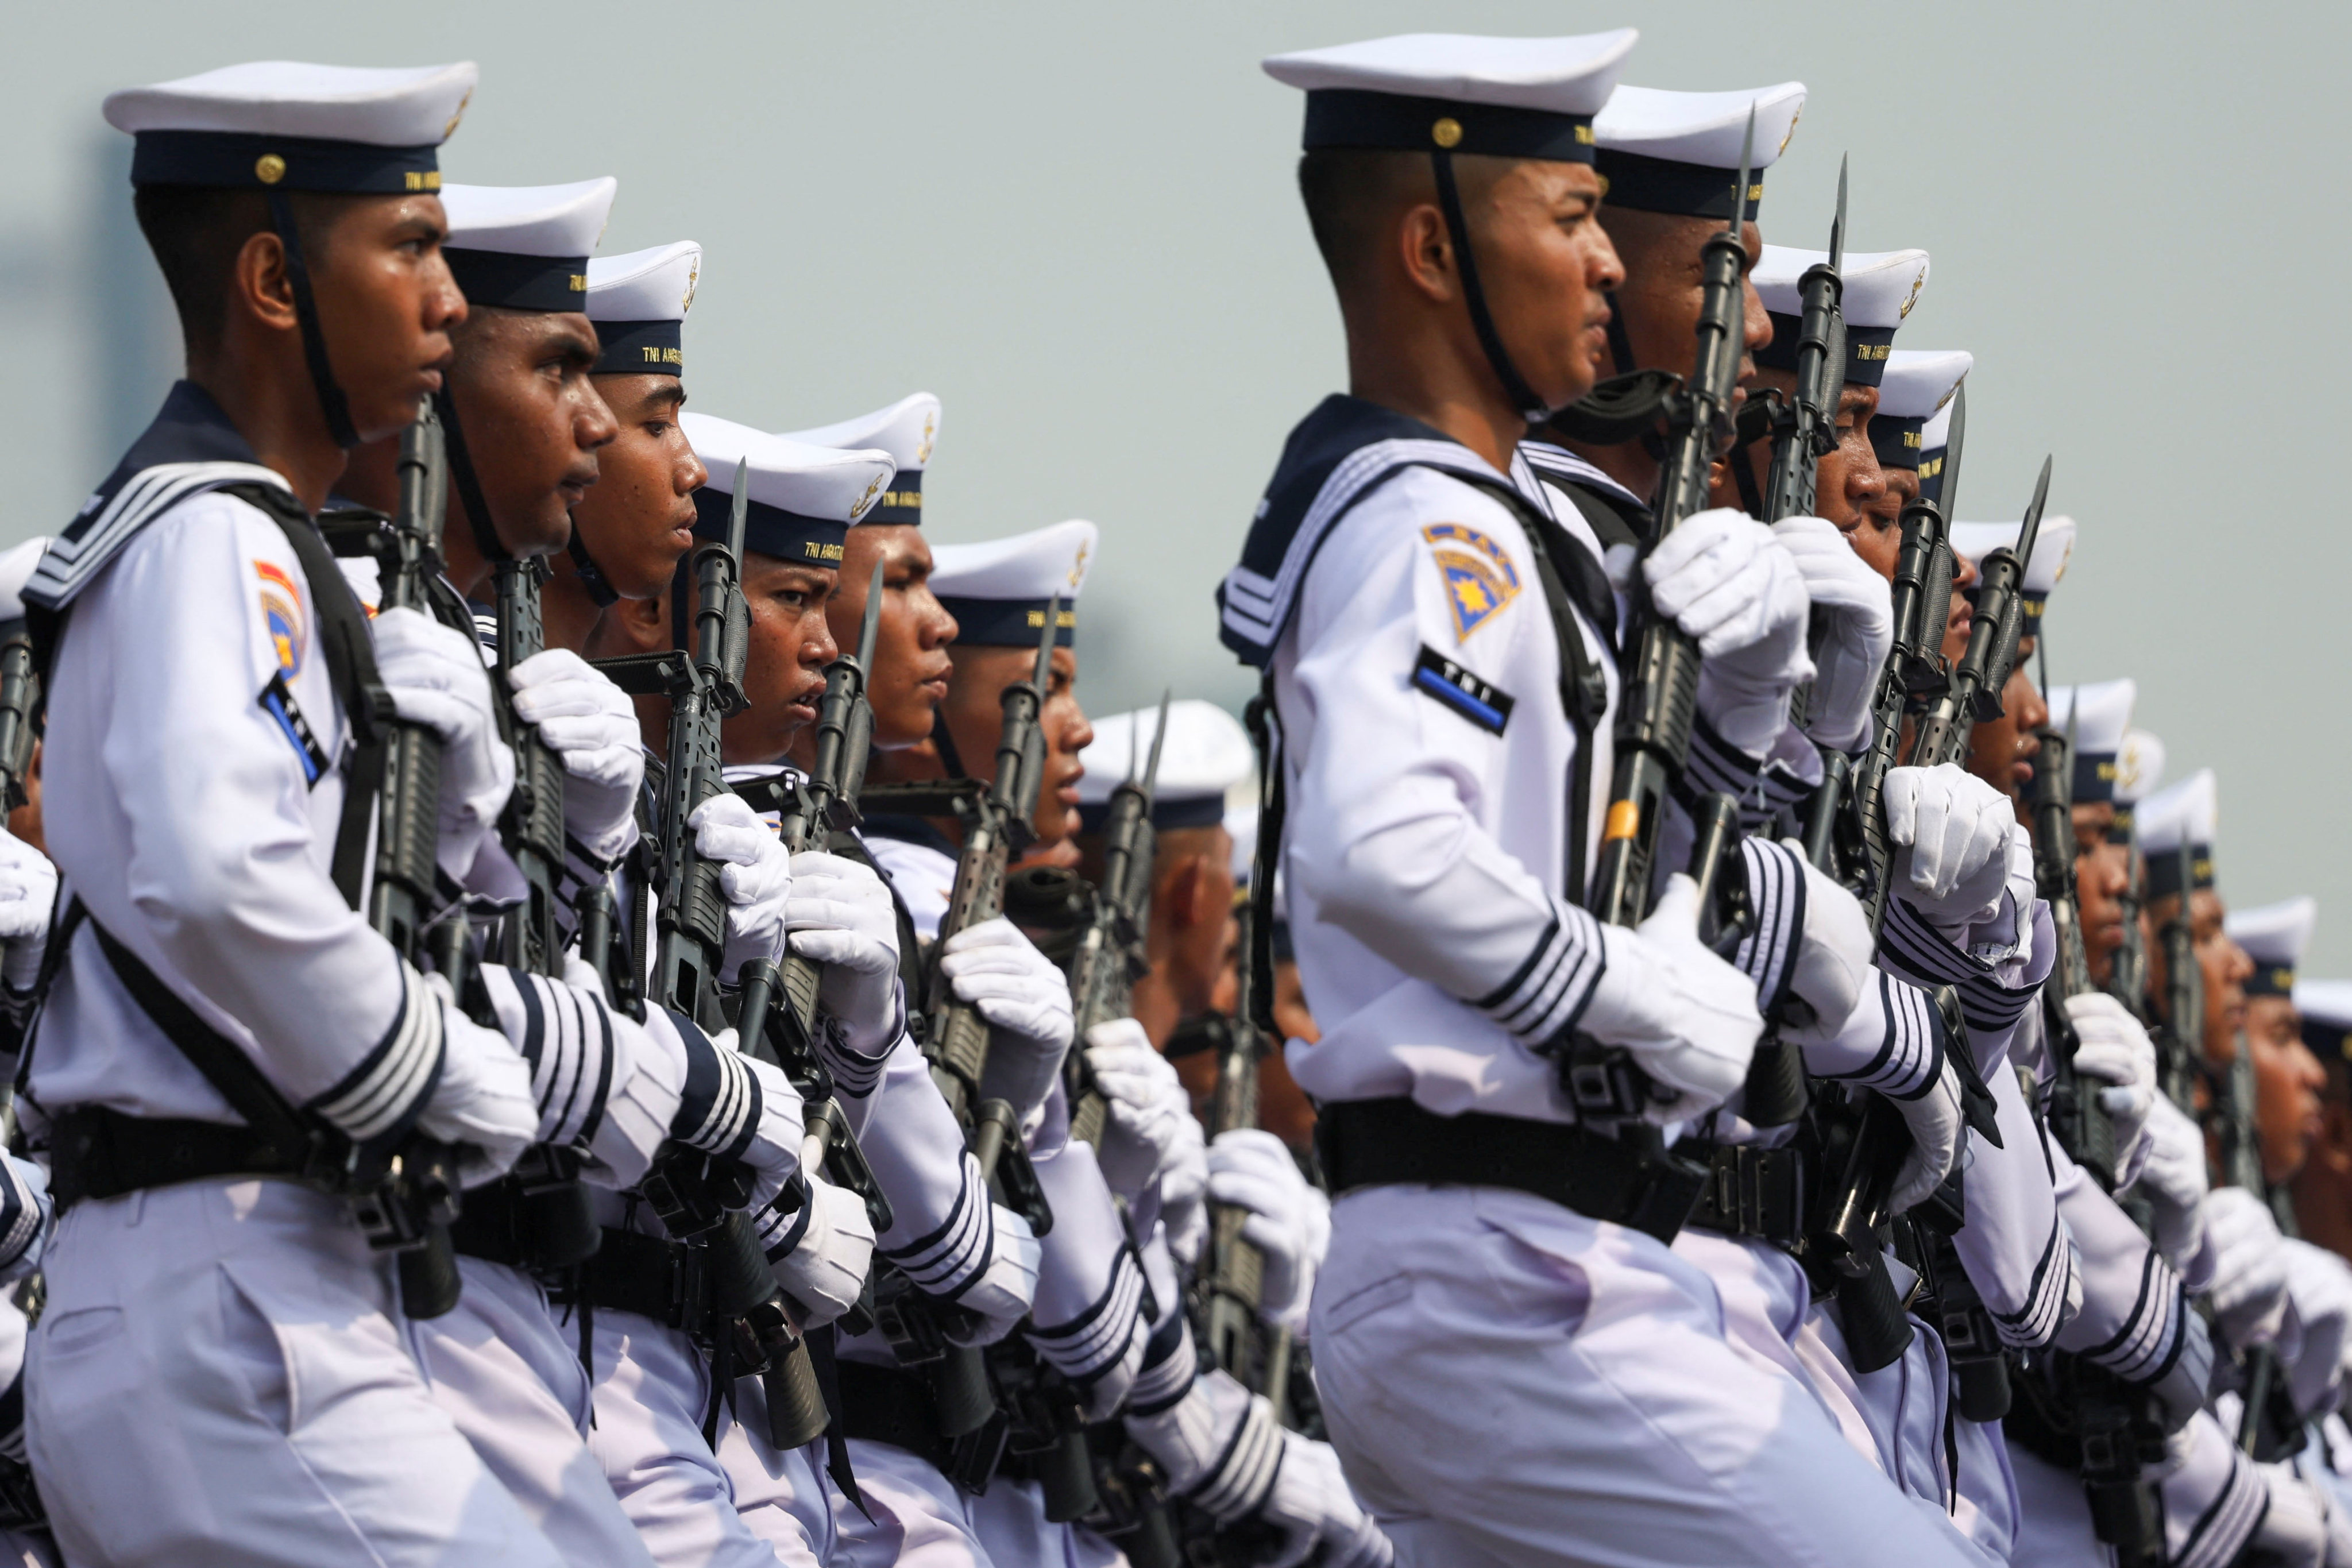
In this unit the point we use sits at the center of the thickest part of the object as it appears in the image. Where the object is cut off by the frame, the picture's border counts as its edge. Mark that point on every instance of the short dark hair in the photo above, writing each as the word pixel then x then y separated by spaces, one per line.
pixel 1350 194
pixel 197 231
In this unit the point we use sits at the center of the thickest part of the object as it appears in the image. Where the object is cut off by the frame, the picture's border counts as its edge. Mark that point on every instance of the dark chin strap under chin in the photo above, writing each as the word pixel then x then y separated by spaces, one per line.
pixel 332 401
pixel 592 576
pixel 1621 346
pixel 469 484
pixel 1514 387
pixel 950 758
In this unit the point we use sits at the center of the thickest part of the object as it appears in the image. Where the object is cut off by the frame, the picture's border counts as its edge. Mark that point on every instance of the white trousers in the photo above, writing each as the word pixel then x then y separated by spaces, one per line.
pixel 1507 1382
pixel 501 1366
pixel 652 1390
pixel 921 1520
pixel 2054 1526
pixel 780 1494
pixel 222 1377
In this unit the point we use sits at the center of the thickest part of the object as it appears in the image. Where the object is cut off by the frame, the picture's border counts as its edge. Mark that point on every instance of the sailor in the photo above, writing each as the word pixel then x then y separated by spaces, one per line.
pixel 2095 718
pixel 198 1259
pixel 2288 1079
pixel 1390 592
pixel 1918 386
pixel 2322 1188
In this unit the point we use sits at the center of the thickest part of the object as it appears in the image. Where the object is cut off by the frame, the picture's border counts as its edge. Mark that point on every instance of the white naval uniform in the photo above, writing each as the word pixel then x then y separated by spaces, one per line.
pixel 225 1361
pixel 1088 1292
pixel 1506 1380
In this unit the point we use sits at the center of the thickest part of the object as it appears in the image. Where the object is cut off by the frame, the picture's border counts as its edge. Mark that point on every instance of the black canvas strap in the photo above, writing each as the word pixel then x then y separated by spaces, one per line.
pixel 1515 387
pixel 332 404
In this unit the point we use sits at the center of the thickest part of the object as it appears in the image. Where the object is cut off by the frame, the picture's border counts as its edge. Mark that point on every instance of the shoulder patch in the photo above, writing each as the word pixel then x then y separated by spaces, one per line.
pixel 1478 576
pixel 1481 703
pixel 278 701
pixel 282 612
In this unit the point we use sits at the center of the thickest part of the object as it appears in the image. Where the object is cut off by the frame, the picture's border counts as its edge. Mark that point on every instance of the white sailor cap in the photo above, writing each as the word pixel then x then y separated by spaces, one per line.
pixel 526 247
pixel 15 571
pixel 2325 1007
pixel 1207 753
pixel 999 592
pixel 803 498
pixel 2053 548
pixel 1453 92
pixel 1879 288
pixel 2182 813
pixel 2274 936
pixel 285 126
pixel 1935 436
pixel 908 430
pixel 2098 714
pixel 639 302
pixel 1677 151
pixel 1916 386
pixel 2139 771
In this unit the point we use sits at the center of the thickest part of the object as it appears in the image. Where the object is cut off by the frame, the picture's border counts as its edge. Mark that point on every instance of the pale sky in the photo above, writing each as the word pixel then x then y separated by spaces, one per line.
pixel 1075 224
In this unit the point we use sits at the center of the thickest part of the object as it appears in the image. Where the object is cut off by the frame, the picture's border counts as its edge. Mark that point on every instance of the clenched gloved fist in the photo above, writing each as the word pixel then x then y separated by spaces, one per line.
pixel 825 1266
pixel 2248 1294
pixel 592 724
pixel 482 1102
pixel 755 876
pixel 1289 1222
pixel 1688 1018
pixel 1146 1110
pixel 2115 1051
pixel 28 892
pixel 1952 833
pixel 1860 607
pixel 2172 1177
pixel 841 916
pixel 1313 1508
pixel 1727 582
pixel 1934 1117
pixel 435 677
pixel 1026 1002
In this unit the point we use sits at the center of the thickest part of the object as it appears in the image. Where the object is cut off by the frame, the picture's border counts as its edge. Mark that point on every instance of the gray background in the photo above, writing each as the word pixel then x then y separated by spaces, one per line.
pixel 1075 222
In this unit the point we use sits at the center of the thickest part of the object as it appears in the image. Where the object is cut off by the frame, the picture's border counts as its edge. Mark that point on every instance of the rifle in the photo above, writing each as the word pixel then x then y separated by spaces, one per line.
pixel 1231 1289
pixel 1660 692
pixel 2179 1045
pixel 697 1197
pixel 533 823
pixel 2082 1129
pixel 1111 954
pixel 2127 970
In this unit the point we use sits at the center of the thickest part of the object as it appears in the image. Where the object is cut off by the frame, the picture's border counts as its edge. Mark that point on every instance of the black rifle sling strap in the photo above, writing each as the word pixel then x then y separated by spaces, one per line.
pixel 1583 687
pixel 228 1069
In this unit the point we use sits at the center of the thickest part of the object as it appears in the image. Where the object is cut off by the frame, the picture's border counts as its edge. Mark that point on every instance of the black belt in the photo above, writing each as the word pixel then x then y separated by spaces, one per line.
pixel 651 1276
pixel 1754 1192
pixel 96 1152
pixel 1386 1143
pixel 537 1217
pixel 890 1405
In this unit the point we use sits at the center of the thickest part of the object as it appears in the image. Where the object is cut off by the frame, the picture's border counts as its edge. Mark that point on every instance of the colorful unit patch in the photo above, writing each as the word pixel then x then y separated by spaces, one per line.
pixel 1478 575
pixel 282 612
pixel 1487 705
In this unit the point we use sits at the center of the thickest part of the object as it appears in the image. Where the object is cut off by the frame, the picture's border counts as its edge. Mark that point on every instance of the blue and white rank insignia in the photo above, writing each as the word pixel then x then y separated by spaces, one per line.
pixel 1479 577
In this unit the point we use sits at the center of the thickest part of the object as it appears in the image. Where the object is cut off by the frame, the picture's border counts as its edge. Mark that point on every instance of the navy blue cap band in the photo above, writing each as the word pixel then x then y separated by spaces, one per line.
pixel 237 160
pixel 2163 871
pixel 1399 123
pixel 1669 186
pixel 2270 980
pixel 1897 441
pixel 771 530
pixel 1866 357
pixel 640 348
pixel 514 282
pixel 2095 777
pixel 1931 473
pixel 902 503
pixel 1007 623
pixel 1167 815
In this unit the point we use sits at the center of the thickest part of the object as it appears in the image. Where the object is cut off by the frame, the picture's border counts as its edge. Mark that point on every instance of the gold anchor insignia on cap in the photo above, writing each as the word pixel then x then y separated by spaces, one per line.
pixel 1913 297
pixel 1078 567
pixel 1447 132
pixel 460 115
pixel 931 430
pixel 269 168
pixel 867 499
pixel 693 276
pixel 1791 131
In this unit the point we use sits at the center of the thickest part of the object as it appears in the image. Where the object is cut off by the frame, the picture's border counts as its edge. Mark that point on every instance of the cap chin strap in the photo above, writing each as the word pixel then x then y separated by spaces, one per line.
pixel 1621 346
pixel 332 404
pixel 469 484
pixel 950 758
pixel 1533 409
pixel 592 576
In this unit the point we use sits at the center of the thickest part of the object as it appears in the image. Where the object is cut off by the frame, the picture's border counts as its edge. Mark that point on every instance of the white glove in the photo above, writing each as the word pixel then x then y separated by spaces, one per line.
pixel 755 875
pixel 1184 1197
pixel 1146 1106
pixel 640 1109
pixel 591 723
pixel 1250 1170
pixel 2248 1294
pixel 28 892
pixel 1312 1508
pixel 840 916
pixel 1860 605
pixel 576 1045
pixel 825 1269
pixel 1835 958
pixel 483 1102
pixel 2173 1179
pixel 2319 1288
pixel 1001 1297
pixel 1952 833
pixel 738 1108
pixel 2293 1530
pixel 1025 1000
pixel 435 677
pixel 1936 1123
pixel 1688 1018
pixel 2115 1051
pixel 1727 584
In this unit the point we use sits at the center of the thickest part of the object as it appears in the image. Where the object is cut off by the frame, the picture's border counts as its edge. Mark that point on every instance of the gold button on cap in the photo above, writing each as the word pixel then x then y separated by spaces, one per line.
pixel 1446 133
pixel 269 168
